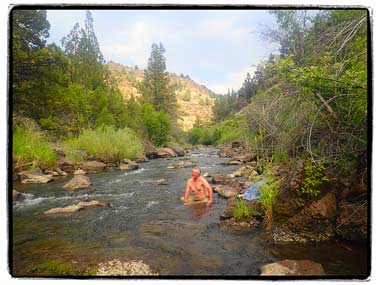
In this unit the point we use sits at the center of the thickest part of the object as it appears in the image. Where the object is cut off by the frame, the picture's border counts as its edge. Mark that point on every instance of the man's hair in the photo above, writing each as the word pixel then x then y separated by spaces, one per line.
pixel 197 168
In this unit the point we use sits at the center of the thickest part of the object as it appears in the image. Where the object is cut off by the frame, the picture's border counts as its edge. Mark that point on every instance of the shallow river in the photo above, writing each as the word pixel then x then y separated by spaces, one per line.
pixel 148 222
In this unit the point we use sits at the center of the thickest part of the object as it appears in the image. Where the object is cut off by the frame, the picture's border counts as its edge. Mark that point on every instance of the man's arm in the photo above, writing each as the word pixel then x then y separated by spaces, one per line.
pixel 209 189
pixel 186 198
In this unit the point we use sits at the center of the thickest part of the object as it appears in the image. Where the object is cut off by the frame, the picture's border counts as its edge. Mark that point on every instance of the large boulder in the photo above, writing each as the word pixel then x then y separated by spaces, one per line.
pixel 245 172
pixel 141 158
pixel 77 207
pixel 93 166
pixel 78 182
pixel 225 179
pixel 293 268
pixel 66 165
pixel 165 152
pixel 324 208
pixel 178 150
pixel 34 176
pixel 226 191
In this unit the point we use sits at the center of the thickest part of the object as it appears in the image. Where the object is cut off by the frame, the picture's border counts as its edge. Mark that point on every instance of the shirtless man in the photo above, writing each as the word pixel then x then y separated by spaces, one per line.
pixel 200 188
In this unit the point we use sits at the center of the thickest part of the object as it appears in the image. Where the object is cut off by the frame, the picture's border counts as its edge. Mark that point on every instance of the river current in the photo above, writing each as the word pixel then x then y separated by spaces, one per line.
pixel 147 221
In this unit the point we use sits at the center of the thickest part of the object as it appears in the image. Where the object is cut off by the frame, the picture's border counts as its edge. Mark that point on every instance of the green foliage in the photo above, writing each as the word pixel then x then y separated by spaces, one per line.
pixel 32 146
pixel 313 179
pixel 280 157
pixel 107 143
pixel 205 136
pixel 269 193
pixel 156 125
pixel 56 267
pixel 242 211
pixel 224 106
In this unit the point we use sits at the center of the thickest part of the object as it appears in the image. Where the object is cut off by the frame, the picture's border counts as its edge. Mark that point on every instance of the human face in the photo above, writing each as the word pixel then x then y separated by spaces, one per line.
pixel 195 174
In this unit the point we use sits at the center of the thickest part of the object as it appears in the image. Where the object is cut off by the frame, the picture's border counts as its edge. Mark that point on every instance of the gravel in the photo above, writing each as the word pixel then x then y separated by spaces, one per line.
pixel 118 268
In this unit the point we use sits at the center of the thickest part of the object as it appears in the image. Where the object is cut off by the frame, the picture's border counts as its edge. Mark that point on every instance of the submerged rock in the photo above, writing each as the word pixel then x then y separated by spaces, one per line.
pixel 182 164
pixel 79 181
pixel 79 171
pixel 293 268
pixel 77 207
pixel 118 268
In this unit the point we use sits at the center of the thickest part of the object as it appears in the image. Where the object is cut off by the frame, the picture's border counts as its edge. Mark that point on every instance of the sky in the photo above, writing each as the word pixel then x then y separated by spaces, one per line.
pixel 214 47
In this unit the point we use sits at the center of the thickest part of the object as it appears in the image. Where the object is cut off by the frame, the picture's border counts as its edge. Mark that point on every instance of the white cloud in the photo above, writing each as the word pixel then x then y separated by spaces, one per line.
pixel 134 42
pixel 233 80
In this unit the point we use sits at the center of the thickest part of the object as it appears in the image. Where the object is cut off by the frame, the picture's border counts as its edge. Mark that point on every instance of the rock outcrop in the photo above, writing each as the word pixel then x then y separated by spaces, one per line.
pixel 178 150
pixel 165 152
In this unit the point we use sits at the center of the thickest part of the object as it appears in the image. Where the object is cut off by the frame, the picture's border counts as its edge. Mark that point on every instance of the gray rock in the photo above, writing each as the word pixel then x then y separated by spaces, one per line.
pixel 128 165
pixel 226 191
pixel 293 268
pixel 17 196
pixel 79 181
pixel 178 150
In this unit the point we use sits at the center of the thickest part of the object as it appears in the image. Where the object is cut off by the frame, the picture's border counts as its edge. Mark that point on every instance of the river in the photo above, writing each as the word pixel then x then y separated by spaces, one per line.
pixel 146 221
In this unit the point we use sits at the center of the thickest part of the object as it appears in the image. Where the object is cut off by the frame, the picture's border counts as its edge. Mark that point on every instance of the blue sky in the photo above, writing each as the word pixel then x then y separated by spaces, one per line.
pixel 215 47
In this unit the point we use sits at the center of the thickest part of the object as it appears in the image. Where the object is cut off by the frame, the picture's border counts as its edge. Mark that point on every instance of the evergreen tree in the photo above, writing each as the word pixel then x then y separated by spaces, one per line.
pixel 155 87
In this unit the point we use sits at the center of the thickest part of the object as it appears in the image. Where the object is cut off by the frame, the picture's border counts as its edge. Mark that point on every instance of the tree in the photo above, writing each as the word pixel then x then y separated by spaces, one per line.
pixel 155 87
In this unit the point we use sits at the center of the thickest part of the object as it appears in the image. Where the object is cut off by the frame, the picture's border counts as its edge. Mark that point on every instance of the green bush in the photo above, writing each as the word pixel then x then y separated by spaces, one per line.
pixel 313 179
pixel 241 212
pixel 32 146
pixel 157 125
pixel 187 96
pixel 107 143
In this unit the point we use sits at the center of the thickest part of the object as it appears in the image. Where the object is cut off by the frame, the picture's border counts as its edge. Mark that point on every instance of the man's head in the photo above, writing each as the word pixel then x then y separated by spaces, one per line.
pixel 195 173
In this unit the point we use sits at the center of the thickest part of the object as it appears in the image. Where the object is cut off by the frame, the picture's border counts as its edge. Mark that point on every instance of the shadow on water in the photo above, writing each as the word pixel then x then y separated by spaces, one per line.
pixel 147 221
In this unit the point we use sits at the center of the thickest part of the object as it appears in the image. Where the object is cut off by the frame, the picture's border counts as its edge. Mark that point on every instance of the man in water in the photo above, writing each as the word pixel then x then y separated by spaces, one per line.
pixel 201 190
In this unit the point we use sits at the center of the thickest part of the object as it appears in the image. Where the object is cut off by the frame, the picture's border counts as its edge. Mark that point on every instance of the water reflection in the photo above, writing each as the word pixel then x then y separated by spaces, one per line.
pixel 198 210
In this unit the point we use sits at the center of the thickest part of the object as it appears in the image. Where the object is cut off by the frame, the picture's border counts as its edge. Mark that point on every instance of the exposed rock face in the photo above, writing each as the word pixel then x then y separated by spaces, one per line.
pixel 165 152
pixel 77 207
pixel 305 222
pixel 178 150
pixel 79 181
pixel 293 268
pixel 351 223
pixel 128 165
pixel 34 176
pixel 93 166
pixel 66 165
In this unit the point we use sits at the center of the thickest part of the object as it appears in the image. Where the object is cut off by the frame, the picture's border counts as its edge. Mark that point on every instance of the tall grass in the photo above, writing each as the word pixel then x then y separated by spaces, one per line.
pixel 31 146
pixel 107 143
pixel 269 192
pixel 241 212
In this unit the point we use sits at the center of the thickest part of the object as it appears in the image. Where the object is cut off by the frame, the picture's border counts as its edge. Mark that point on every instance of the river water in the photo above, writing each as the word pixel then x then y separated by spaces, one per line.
pixel 146 221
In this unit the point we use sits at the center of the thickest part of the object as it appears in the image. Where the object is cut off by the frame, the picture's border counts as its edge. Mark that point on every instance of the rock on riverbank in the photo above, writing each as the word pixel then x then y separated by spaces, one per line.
pixel 293 268
pixel 124 268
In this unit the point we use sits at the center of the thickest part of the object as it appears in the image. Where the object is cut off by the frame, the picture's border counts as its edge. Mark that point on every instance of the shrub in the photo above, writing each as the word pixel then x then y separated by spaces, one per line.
pixel 32 146
pixel 157 125
pixel 313 179
pixel 187 96
pixel 108 143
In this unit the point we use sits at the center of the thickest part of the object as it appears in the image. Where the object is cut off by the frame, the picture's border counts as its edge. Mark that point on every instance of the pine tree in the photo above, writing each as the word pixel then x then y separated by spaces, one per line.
pixel 155 87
